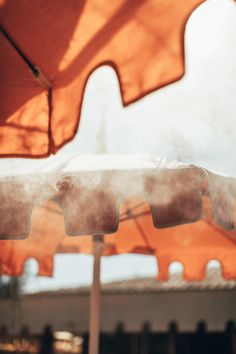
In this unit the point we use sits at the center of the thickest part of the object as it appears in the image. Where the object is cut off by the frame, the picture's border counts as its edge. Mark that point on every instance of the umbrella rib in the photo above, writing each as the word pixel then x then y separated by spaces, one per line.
pixel 35 70
pixel 22 55
pixel 223 233
pixel 133 208
pixel 139 227
pixel 125 218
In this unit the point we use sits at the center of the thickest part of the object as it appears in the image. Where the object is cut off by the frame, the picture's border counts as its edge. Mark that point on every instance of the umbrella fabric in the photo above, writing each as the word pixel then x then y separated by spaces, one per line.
pixel 194 244
pixel 62 43
pixel 89 191
pixel 83 197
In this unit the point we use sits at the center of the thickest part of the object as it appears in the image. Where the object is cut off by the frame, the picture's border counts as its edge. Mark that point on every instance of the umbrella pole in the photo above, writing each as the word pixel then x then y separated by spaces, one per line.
pixel 94 320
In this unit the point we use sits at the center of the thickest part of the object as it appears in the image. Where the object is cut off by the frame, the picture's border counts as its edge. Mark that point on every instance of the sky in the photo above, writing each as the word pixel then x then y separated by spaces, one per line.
pixel 75 270
pixel 190 120
pixel 182 121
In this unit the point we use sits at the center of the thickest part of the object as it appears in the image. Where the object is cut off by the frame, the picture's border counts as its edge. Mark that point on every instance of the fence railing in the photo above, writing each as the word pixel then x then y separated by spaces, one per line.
pixel 121 341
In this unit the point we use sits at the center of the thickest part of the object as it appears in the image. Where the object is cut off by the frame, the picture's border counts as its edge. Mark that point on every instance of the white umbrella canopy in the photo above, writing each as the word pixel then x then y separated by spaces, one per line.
pixel 89 189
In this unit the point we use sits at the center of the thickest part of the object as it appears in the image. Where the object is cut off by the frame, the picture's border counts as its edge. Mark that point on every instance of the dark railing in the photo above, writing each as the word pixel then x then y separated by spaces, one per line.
pixel 144 342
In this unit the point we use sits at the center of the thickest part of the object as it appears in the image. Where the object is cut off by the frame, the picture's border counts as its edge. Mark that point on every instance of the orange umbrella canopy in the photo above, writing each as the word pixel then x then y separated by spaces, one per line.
pixel 62 42
pixel 175 212
pixel 191 244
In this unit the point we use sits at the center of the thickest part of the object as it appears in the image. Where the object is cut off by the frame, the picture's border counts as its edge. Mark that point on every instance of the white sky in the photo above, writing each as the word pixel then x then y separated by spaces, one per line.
pixel 192 121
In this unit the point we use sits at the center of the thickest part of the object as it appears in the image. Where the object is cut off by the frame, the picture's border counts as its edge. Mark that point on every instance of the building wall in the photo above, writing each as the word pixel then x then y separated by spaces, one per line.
pixel 71 311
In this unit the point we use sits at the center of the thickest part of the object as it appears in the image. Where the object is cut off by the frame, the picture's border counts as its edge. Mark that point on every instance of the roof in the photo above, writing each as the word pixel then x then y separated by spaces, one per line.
pixel 213 282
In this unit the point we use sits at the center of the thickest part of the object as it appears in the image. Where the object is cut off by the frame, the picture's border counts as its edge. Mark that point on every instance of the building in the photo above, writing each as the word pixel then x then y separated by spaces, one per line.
pixel 140 308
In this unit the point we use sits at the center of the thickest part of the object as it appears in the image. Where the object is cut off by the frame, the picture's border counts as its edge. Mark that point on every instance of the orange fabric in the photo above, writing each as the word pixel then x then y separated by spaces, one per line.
pixel 67 40
pixel 191 244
